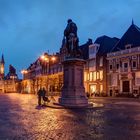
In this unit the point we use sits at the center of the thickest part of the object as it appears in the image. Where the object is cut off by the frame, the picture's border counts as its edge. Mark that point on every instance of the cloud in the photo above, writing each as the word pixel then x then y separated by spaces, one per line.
pixel 29 27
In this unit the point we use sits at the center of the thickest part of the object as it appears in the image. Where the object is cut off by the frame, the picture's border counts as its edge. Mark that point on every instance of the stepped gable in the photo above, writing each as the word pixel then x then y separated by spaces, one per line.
pixel 106 44
pixel 131 36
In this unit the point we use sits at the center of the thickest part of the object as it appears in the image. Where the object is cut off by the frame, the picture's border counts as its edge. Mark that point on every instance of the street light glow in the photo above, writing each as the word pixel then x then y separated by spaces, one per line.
pixel 24 71
pixel 53 58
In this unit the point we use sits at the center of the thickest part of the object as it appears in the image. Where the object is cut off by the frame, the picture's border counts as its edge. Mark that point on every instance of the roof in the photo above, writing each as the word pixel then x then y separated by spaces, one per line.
pixel 131 36
pixel 85 49
pixel 106 44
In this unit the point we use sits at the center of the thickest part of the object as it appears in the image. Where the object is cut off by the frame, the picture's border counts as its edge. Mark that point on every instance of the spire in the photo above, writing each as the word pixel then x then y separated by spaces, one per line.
pixel 2 59
pixel 132 21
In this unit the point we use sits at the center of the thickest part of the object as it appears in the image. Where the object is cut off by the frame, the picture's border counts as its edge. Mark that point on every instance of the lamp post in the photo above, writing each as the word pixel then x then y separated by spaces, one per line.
pixel 46 59
pixel 23 72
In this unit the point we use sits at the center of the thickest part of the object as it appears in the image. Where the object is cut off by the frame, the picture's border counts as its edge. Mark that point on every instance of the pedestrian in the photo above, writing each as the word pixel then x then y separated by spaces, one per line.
pixel 45 97
pixel 43 92
pixel 40 94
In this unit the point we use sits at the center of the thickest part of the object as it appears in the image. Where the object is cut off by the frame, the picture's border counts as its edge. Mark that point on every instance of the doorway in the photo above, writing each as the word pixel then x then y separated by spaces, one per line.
pixel 126 87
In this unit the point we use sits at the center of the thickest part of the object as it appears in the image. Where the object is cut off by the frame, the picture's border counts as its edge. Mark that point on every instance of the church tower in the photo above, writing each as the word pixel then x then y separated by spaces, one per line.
pixel 2 62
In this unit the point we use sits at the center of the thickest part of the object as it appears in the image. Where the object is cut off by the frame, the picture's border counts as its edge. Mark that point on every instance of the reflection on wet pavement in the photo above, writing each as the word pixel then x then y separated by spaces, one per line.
pixel 21 118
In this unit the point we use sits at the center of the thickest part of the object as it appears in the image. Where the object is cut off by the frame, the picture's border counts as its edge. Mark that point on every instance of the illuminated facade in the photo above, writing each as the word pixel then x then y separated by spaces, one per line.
pixel 45 72
pixel 95 69
pixel 2 62
pixel 8 83
pixel 124 64
pixel 112 67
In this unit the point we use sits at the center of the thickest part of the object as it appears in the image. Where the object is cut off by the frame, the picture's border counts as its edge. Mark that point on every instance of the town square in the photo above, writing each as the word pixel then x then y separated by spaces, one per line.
pixel 65 75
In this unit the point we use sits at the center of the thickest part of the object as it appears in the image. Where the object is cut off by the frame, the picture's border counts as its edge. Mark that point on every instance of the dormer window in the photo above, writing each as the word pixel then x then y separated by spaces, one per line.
pixel 128 46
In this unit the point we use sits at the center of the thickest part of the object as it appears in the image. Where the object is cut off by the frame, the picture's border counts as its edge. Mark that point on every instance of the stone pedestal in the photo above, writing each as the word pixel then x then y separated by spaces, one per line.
pixel 73 91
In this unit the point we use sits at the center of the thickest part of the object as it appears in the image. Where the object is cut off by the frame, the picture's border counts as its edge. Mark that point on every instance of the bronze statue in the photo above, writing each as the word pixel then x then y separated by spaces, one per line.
pixel 70 34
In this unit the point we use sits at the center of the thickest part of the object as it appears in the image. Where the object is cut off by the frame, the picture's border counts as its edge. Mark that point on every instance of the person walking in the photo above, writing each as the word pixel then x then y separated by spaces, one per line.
pixel 40 95
pixel 44 96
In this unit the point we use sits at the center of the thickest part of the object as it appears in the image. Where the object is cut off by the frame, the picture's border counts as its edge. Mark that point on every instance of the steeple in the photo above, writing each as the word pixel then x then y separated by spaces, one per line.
pixel 2 67
pixel 2 59
pixel 132 21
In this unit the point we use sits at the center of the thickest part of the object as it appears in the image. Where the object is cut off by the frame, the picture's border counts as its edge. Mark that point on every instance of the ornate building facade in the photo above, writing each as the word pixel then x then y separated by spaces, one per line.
pixel 123 68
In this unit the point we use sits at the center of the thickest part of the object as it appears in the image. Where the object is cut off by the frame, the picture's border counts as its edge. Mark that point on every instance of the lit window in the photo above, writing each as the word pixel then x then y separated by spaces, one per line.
pixel 101 88
pixel 90 76
pixel 97 75
pixel 85 76
pixel 101 74
pixel 94 76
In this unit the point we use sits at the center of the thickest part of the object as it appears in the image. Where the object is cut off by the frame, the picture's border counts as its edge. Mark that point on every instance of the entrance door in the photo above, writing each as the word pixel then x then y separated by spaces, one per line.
pixel 126 86
pixel 92 88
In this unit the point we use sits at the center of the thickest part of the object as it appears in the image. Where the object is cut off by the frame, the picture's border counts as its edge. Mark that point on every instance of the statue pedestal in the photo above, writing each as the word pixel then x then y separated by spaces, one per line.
pixel 73 91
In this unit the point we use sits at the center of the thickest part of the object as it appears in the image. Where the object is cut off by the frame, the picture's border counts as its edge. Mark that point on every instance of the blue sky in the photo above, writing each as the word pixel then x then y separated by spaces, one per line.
pixel 30 27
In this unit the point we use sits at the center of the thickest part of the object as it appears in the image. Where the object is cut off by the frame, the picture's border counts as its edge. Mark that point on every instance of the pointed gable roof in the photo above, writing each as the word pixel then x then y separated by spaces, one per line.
pixel 106 44
pixel 131 36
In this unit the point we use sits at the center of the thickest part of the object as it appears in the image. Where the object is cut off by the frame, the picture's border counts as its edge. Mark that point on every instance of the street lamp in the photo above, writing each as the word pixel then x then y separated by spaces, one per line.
pixel 23 72
pixel 47 59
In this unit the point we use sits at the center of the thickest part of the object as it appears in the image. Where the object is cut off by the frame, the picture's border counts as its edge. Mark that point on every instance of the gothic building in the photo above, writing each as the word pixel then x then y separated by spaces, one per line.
pixel 2 62
pixel 8 83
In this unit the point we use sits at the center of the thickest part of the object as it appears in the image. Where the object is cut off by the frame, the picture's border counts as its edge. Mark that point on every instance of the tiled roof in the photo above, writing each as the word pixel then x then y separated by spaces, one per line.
pixel 106 44
pixel 131 36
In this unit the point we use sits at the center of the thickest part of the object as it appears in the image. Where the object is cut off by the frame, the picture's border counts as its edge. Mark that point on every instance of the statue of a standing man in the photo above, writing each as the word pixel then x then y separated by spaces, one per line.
pixel 70 33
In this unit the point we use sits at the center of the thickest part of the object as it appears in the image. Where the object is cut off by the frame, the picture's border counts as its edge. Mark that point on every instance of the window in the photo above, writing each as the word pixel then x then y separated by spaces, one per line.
pixel 101 74
pixel 125 65
pixel 134 64
pixel 128 46
pixel 110 67
pixel 101 88
pixel 97 75
pixel 114 79
pixel 85 76
pixel 137 79
pixel 101 62
pixel 117 66
pixel 90 76
pixel 94 76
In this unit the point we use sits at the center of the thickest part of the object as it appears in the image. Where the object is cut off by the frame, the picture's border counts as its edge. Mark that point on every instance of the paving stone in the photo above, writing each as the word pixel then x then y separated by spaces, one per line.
pixel 22 119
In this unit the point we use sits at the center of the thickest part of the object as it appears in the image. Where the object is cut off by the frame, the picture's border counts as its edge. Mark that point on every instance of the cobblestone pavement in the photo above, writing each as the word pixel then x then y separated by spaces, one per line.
pixel 21 119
